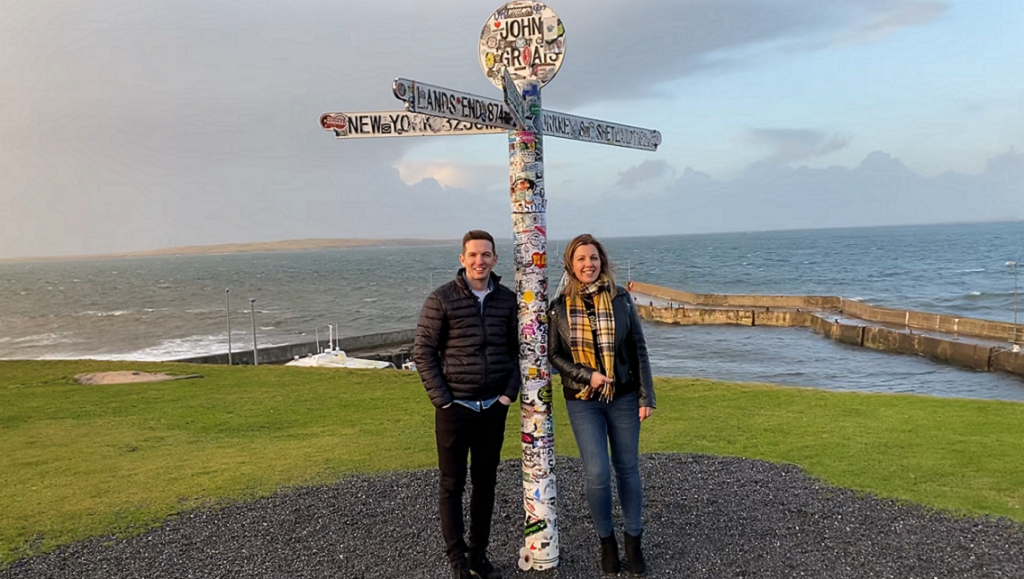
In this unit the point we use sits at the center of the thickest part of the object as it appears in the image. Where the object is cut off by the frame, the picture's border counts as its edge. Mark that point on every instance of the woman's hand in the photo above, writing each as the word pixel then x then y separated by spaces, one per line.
pixel 598 379
pixel 505 400
pixel 645 412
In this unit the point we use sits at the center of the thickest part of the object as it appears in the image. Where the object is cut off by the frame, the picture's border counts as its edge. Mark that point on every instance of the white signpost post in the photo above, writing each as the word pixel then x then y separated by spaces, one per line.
pixel 521 49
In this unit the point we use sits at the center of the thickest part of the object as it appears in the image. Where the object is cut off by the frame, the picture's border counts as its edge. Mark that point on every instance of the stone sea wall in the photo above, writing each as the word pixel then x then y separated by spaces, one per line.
pixel 966 342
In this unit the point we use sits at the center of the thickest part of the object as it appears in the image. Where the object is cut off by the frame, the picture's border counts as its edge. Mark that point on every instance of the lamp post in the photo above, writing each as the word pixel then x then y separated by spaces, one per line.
pixel 1016 336
pixel 252 313
pixel 227 308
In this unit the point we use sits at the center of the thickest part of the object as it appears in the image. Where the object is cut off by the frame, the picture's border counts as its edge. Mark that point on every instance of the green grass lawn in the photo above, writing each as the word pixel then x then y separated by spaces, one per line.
pixel 80 461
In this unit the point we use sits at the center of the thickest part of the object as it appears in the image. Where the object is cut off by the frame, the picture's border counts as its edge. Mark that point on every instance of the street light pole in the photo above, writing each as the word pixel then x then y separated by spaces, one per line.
pixel 227 308
pixel 255 350
pixel 1016 337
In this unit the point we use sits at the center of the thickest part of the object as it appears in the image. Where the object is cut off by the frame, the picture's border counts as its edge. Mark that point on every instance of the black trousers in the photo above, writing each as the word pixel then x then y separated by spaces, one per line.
pixel 461 433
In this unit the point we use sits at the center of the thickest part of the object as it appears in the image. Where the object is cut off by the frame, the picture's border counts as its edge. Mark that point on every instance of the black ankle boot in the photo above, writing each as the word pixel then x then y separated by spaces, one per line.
pixel 634 555
pixel 610 555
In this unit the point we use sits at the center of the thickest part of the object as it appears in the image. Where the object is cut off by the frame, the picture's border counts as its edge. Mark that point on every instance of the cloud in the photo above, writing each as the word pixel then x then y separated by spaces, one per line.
pixel 886 18
pixel 878 191
pixel 449 173
pixel 685 39
pixel 793 145
pixel 645 171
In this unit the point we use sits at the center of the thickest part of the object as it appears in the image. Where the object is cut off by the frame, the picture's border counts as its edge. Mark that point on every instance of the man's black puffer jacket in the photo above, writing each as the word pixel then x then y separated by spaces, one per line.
pixel 464 354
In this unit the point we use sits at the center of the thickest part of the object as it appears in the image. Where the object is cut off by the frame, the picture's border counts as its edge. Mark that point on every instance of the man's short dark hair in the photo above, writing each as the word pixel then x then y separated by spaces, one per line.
pixel 478 234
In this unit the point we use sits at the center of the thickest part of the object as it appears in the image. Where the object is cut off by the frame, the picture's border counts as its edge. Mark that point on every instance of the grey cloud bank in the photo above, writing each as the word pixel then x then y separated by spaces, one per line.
pixel 879 191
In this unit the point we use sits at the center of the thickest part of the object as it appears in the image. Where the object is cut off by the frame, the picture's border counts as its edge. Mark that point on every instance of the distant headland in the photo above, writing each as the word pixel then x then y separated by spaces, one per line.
pixel 255 247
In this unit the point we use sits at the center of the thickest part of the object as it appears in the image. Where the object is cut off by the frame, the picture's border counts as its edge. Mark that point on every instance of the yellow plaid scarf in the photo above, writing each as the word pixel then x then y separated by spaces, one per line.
pixel 581 338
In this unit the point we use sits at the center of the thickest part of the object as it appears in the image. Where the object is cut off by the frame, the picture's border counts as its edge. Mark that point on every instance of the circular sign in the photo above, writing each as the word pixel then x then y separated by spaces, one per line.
pixel 525 37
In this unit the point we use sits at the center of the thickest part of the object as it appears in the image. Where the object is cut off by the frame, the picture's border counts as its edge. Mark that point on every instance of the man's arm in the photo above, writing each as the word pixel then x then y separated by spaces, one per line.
pixel 431 334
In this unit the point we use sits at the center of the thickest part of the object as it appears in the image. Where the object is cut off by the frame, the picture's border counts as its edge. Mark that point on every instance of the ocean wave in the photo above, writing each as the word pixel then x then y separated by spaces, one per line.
pixel 980 269
pixel 103 314
pixel 175 348
pixel 48 339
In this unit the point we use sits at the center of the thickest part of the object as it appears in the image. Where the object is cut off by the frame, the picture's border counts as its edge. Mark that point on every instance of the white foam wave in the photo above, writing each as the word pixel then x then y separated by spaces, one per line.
pixel 103 314
pixel 178 348
pixel 173 349
pixel 980 269
pixel 48 339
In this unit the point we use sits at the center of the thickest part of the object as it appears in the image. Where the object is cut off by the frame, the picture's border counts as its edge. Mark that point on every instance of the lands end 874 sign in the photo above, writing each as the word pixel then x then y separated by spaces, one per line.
pixel 525 37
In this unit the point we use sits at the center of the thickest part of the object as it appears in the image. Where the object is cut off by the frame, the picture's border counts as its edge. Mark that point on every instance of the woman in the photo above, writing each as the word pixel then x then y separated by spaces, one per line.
pixel 598 346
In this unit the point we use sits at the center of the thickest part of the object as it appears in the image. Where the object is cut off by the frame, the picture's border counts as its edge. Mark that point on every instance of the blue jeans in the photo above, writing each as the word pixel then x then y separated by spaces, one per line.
pixel 595 424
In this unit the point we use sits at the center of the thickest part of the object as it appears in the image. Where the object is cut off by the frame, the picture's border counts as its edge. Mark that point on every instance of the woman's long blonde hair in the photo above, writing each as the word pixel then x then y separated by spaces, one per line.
pixel 571 285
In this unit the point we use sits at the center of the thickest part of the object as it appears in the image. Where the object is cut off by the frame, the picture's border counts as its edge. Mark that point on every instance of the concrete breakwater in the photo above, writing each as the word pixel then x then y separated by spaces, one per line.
pixel 971 343
pixel 388 346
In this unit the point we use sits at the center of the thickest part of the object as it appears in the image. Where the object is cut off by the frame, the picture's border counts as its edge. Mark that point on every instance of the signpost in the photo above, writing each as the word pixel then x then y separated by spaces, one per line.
pixel 521 49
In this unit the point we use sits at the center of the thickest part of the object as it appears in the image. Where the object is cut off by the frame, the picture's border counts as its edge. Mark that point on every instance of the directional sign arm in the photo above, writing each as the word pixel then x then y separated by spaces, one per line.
pixel 451 104
pixel 398 124
pixel 596 131
pixel 515 102
pixel 446 103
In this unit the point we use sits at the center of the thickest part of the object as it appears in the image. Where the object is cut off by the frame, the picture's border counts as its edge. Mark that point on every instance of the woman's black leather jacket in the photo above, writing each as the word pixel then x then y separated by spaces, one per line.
pixel 632 364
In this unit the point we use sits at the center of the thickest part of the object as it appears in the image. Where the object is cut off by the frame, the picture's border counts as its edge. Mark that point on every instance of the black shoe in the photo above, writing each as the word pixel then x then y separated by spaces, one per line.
pixel 610 555
pixel 635 555
pixel 460 570
pixel 481 567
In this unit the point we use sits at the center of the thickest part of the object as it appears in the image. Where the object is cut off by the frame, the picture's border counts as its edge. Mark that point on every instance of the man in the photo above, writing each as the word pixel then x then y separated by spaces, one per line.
pixel 467 354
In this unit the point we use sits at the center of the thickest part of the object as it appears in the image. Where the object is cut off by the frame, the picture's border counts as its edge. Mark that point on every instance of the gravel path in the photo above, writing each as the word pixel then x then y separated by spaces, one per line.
pixel 706 517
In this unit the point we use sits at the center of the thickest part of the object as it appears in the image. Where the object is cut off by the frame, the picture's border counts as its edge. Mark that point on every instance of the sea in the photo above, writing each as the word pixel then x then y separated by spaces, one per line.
pixel 170 307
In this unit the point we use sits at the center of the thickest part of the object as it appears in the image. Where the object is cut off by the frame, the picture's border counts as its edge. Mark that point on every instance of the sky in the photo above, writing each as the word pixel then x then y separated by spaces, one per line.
pixel 135 125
